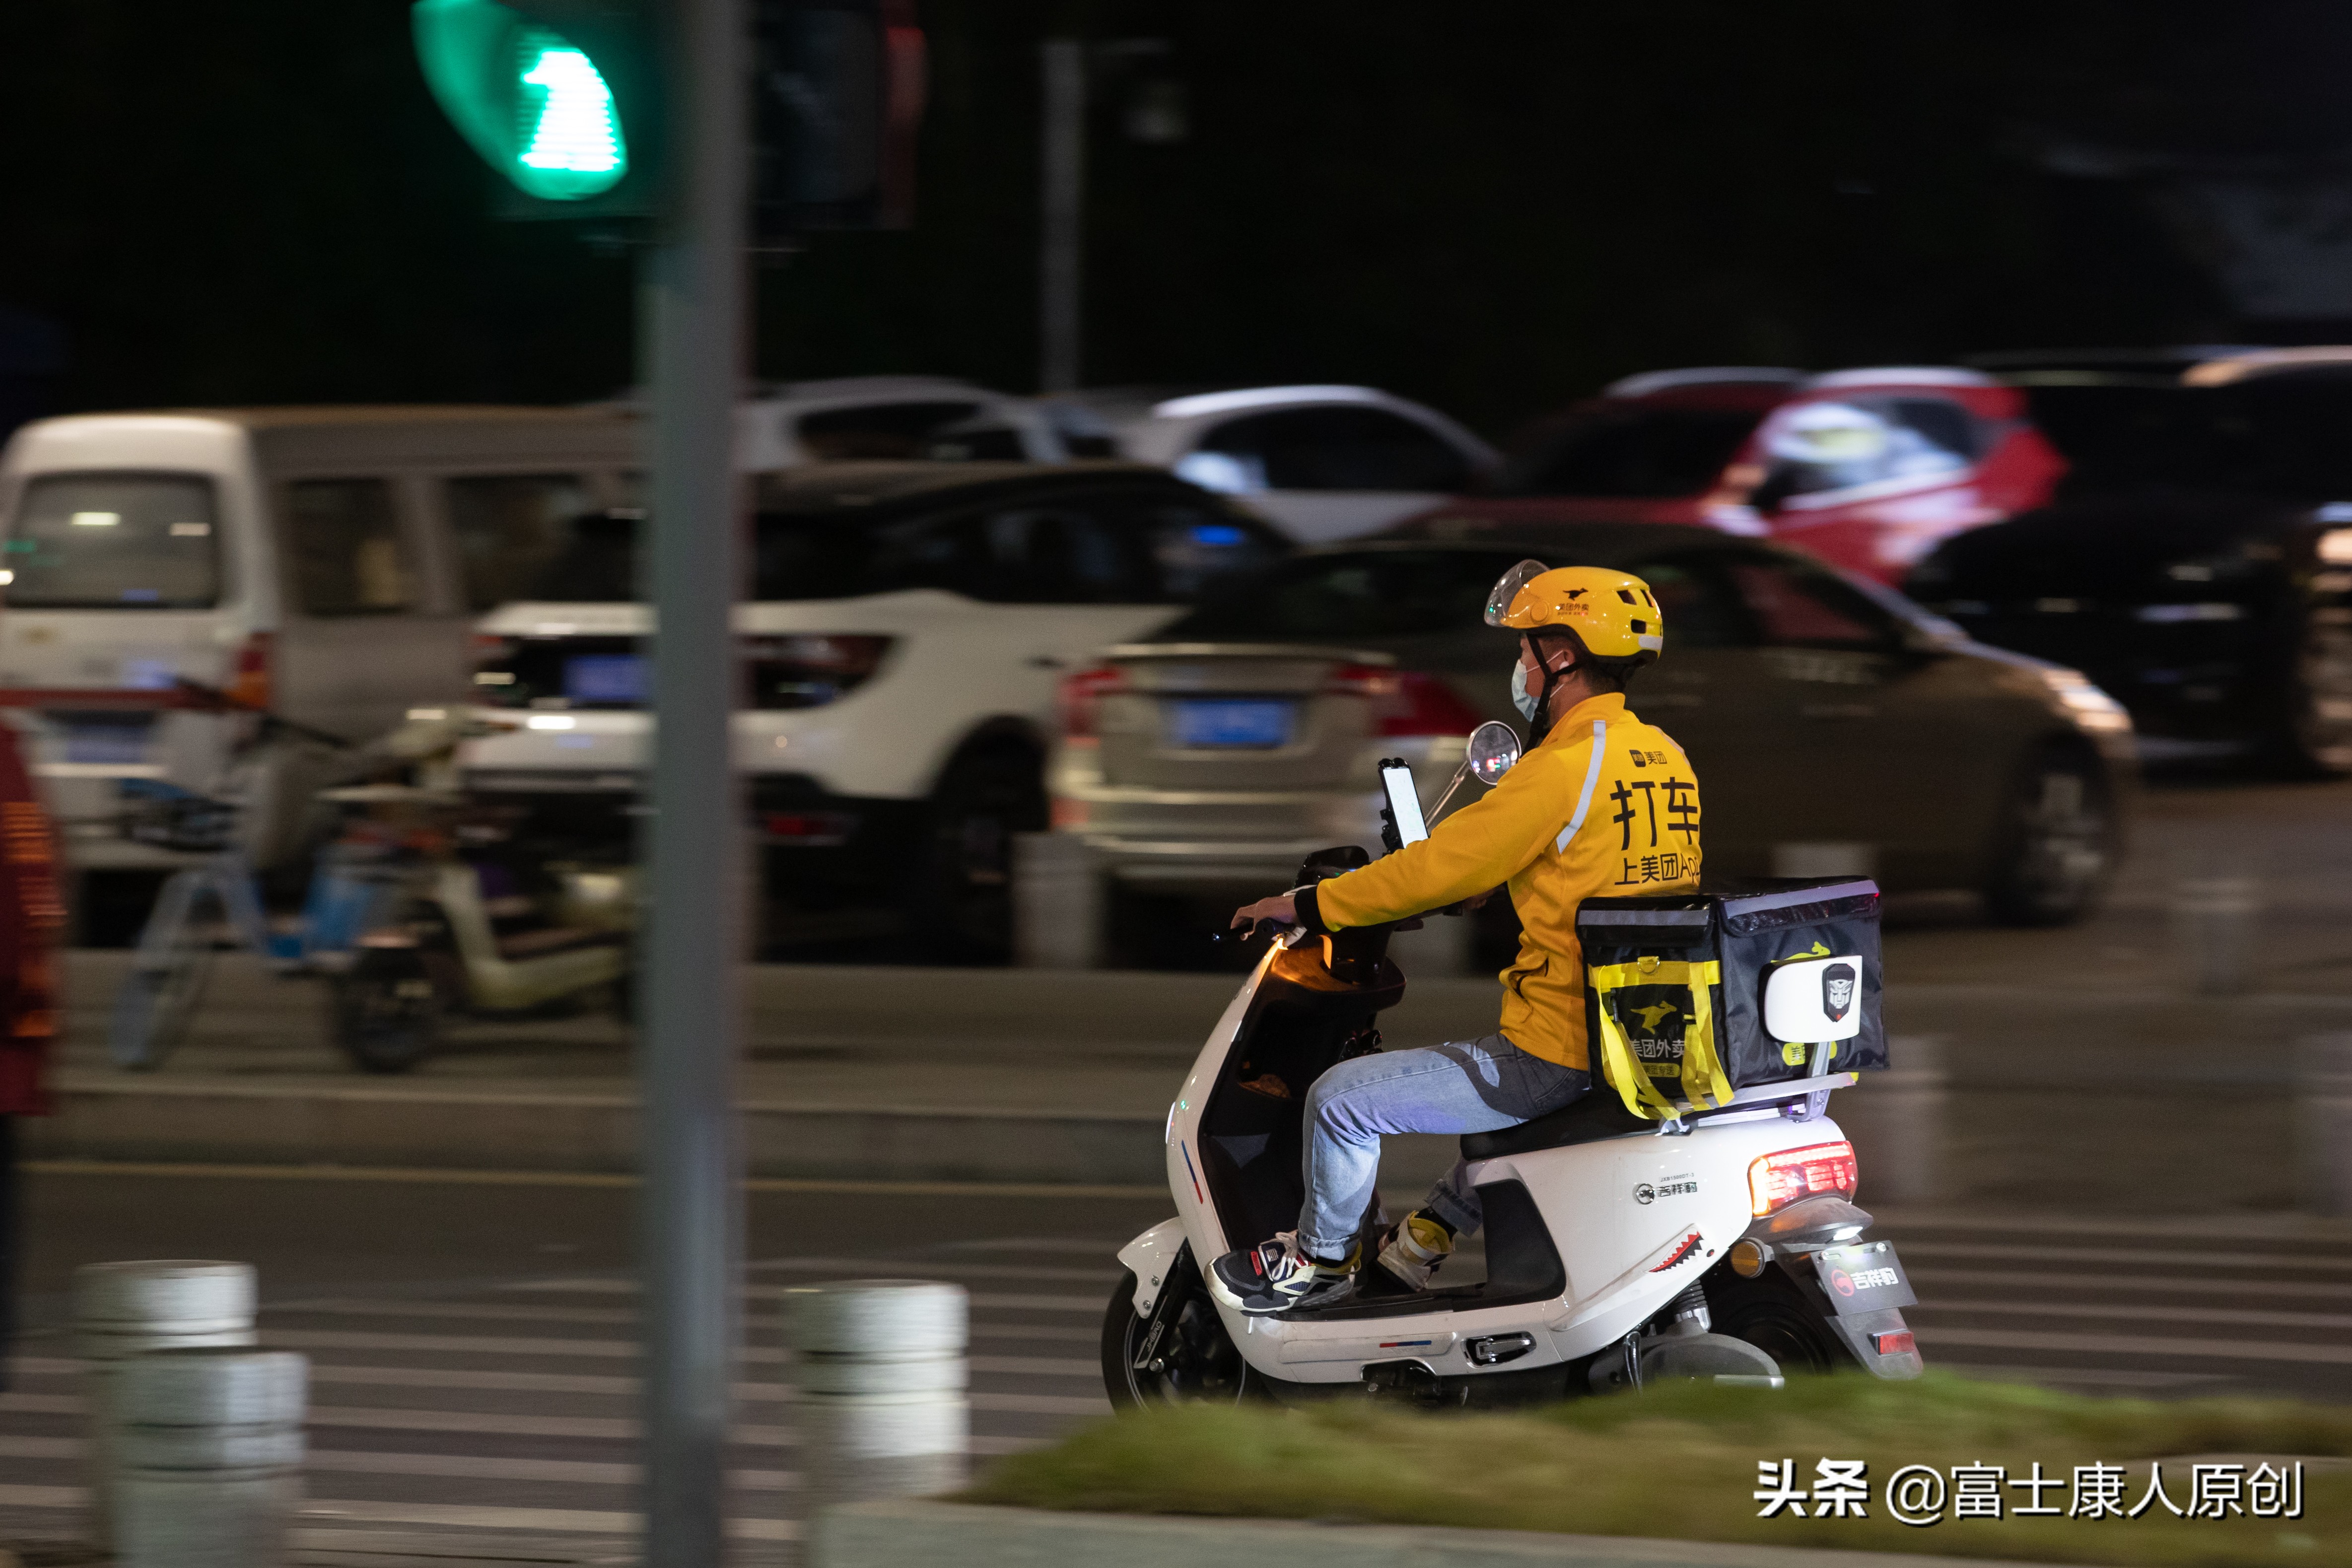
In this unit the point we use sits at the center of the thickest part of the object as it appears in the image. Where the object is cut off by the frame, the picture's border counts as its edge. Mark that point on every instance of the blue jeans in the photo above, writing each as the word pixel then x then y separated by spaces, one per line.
pixel 1464 1086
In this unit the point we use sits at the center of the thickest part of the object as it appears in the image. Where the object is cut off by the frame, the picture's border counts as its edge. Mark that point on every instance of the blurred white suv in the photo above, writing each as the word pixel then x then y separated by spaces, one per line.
pixel 908 628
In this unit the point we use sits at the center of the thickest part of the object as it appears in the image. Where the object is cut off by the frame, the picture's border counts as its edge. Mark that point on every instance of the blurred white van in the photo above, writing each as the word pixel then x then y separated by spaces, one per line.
pixel 326 562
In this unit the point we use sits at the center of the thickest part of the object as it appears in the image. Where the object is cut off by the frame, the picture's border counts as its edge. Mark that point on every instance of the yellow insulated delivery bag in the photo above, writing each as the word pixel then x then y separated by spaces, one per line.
pixel 1696 996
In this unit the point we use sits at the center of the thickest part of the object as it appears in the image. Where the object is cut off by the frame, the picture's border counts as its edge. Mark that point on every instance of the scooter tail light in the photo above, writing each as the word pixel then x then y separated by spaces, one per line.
pixel 1081 699
pixel 1405 702
pixel 250 678
pixel 1777 1180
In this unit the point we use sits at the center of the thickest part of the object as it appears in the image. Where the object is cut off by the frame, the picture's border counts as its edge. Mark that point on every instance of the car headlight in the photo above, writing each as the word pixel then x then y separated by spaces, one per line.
pixel 2085 703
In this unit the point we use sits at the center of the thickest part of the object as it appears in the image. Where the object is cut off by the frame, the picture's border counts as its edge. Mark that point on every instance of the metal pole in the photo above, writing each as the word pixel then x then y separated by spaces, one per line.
pixel 1062 200
pixel 690 1242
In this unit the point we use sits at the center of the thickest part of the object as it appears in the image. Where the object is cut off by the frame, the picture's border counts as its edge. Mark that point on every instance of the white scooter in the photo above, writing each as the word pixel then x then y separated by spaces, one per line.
pixel 1722 1244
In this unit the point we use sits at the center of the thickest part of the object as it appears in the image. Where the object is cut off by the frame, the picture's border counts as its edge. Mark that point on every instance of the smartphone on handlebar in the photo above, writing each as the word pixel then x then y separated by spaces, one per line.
pixel 1403 802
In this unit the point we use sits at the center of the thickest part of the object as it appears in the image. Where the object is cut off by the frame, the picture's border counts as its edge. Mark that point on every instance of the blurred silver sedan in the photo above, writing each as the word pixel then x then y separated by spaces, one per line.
pixel 1837 729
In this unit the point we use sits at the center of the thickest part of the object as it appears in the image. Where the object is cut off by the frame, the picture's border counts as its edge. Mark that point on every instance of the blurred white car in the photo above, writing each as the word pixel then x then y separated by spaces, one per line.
pixel 1321 463
pixel 908 625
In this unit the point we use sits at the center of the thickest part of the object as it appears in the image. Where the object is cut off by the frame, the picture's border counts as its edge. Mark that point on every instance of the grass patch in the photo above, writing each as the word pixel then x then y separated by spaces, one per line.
pixel 1681 1462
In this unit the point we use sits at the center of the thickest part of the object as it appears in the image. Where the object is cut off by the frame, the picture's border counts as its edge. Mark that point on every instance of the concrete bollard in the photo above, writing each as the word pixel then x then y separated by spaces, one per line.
pixel 878 1378
pixel 1057 902
pixel 1896 1120
pixel 2323 1123
pixel 2213 927
pixel 208 1456
pixel 123 1309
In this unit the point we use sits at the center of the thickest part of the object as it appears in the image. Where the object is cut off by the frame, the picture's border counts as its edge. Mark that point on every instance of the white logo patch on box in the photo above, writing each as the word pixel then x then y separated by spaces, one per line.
pixel 1814 999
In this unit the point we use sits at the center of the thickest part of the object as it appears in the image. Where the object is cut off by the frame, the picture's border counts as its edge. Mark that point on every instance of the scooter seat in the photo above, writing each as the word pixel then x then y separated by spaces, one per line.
pixel 1591 1116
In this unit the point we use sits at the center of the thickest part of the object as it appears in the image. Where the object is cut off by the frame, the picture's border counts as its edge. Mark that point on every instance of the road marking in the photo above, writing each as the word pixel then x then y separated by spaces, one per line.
pixel 43 1497
pixel 41 1404
pixel 2121 1310
pixel 2151 1284
pixel 615 1428
pixel 581 1179
pixel 2116 1378
pixel 567 1520
pixel 2135 1344
pixel 507 1311
pixel 476 1467
pixel 40 1448
pixel 980 1300
pixel 2085 1255
pixel 926 1266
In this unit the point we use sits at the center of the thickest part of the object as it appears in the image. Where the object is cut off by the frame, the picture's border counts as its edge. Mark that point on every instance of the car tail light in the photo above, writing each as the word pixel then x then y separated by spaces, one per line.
pixel 248 681
pixel 807 829
pixel 1404 702
pixel 494 672
pixel 1894 1344
pixel 1776 1181
pixel 809 671
pixel 1082 694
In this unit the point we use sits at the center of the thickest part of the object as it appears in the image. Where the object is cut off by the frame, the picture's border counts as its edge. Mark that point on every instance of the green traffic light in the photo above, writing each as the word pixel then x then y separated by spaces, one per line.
pixel 531 101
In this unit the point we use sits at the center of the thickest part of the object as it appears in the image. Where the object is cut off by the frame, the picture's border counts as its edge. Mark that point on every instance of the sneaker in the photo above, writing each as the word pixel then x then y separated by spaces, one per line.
pixel 1276 1276
pixel 1412 1250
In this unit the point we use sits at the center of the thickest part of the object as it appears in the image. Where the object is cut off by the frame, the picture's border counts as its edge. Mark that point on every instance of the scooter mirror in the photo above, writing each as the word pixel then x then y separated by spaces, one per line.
pixel 1493 752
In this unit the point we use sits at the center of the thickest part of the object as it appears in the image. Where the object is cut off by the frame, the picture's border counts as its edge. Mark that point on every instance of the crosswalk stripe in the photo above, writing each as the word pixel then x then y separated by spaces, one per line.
pixel 877 1268
pixel 982 1301
pixel 508 1312
pixel 478 1466
pixel 2135 1344
pixel 2102 1377
pixel 42 1497
pixel 2132 1284
pixel 502 1344
pixel 2083 1255
pixel 2129 1311
pixel 617 1428
pixel 553 1520
pixel 464 1467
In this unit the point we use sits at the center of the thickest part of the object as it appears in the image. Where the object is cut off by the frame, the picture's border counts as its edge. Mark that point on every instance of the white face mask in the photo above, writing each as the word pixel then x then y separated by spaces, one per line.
pixel 1521 698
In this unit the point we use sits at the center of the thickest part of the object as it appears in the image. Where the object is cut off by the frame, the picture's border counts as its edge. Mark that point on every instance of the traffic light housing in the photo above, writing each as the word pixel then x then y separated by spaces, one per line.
pixel 562 100
pixel 838 100
pixel 559 97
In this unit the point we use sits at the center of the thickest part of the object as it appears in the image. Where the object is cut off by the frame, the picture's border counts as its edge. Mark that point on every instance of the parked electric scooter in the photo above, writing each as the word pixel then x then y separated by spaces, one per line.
pixel 1721 1242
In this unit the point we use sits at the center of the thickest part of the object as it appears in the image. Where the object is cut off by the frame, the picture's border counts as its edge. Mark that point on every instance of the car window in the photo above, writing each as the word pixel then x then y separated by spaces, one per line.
pixel 114 541
pixel 880 429
pixel 1325 449
pixel 509 527
pixel 1197 546
pixel 1819 447
pixel 1798 606
pixel 349 558
pixel 976 443
pixel 598 561
pixel 1063 553
pixel 1630 449
pixel 1367 593
pixel 1699 605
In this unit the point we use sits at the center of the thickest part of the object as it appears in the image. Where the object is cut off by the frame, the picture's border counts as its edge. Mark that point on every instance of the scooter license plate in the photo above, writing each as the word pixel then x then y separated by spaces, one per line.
pixel 1864 1277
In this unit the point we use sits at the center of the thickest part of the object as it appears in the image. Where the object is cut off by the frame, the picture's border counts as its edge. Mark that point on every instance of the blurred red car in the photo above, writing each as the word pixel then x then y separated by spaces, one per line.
pixel 1868 469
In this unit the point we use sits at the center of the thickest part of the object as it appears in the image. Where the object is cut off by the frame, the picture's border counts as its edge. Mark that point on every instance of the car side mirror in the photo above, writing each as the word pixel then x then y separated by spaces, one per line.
pixel 1493 752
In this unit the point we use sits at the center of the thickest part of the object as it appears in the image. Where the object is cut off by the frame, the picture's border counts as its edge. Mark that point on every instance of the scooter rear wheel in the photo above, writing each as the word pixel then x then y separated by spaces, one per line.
pixel 1195 1364
pixel 1772 1313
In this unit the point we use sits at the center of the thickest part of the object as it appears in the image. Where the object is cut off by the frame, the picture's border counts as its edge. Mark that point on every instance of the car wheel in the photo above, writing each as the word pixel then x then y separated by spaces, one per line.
pixel 987 795
pixel 2314 738
pixel 2056 844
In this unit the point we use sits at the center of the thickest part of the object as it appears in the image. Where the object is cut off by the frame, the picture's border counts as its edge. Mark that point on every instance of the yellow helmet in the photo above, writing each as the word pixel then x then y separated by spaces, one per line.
pixel 1612 614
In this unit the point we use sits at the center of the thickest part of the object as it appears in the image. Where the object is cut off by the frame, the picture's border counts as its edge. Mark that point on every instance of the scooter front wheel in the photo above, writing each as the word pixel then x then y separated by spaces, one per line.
pixel 1192 1361
pixel 387 1011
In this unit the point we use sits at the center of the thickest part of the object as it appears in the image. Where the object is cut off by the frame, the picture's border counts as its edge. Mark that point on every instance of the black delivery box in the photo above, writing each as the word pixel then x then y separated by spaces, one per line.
pixel 1692 995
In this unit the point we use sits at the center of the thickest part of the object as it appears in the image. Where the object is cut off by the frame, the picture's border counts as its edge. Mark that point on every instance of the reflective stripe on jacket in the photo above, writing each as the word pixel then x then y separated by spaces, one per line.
pixel 1606 805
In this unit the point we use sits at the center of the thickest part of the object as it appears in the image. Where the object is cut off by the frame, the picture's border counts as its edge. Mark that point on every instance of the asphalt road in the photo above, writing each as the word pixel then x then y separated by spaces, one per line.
pixel 472 1355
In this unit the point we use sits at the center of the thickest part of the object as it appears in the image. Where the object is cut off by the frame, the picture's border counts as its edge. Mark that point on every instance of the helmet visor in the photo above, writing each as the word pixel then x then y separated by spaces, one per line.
pixel 1507 589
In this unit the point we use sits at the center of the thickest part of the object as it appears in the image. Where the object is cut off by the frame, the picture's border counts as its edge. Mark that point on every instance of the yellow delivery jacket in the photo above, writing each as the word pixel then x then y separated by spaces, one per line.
pixel 1606 806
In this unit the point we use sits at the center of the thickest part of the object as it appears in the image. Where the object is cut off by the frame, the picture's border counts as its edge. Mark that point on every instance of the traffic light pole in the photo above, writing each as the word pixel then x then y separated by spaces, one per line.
pixel 690 1242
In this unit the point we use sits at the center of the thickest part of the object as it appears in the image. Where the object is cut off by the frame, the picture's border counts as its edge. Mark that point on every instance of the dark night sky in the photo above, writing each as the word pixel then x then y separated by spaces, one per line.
pixel 1492 207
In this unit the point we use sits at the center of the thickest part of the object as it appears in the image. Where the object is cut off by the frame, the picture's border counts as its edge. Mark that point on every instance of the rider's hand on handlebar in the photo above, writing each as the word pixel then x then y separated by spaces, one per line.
pixel 1282 909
